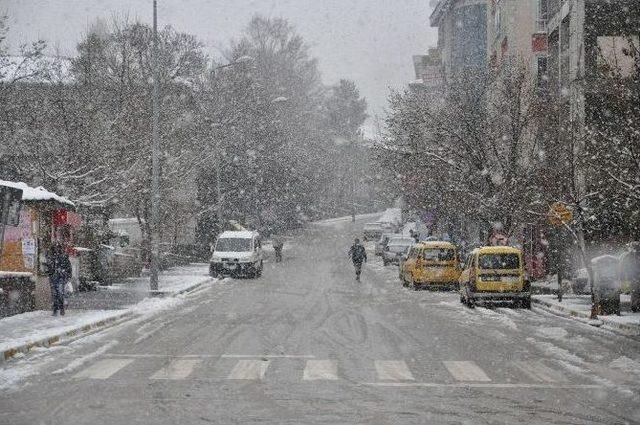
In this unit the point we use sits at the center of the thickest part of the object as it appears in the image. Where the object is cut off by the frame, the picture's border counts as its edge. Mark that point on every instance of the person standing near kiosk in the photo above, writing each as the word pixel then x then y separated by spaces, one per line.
pixel 59 272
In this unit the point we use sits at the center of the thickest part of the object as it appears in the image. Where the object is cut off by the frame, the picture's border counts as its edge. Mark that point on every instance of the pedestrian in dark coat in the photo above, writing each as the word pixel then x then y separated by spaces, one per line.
pixel 630 265
pixel 59 271
pixel 357 254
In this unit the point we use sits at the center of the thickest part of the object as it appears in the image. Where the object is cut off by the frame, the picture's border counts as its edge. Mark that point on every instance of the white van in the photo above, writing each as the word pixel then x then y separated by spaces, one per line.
pixel 237 253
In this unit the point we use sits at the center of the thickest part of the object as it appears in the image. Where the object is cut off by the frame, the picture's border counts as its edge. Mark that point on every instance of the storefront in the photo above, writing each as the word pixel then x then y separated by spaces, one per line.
pixel 45 218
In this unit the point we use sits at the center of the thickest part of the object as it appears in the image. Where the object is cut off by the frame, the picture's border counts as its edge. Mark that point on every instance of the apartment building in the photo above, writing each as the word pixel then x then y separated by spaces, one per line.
pixel 428 72
pixel 462 34
pixel 582 35
pixel 517 32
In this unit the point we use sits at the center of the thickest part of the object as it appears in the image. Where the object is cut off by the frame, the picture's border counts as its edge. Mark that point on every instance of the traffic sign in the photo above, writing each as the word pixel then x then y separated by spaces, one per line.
pixel 559 214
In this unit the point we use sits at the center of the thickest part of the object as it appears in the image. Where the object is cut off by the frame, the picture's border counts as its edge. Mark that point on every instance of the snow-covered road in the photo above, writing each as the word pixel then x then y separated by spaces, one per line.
pixel 307 344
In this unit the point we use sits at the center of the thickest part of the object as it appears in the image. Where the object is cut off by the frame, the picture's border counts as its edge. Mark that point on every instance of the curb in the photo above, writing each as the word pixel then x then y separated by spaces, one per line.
pixel 54 339
pixel 584 317
pixel 160 293
pixel 87 329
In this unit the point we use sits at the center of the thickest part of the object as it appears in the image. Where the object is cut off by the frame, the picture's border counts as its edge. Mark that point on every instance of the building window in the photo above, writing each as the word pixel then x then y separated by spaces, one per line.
pixel 542 16
pixel 541 68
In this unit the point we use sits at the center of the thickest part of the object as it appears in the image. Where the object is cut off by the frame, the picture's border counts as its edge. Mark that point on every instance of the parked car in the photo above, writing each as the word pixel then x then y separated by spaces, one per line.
pixel 237 253
pixel 495 273
pixel 373 231
pixel 580 282
pixel 396 249
pixel 382 243
pixel 433 264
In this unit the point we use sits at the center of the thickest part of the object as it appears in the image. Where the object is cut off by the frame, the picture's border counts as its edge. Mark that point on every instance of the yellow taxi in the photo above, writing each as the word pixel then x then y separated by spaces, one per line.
pixel 432 264
pixel 495 273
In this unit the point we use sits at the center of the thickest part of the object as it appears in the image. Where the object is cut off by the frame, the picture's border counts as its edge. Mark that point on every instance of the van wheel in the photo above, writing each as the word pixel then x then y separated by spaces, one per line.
pixel 413 284
pixel 469 302
pixel 258 271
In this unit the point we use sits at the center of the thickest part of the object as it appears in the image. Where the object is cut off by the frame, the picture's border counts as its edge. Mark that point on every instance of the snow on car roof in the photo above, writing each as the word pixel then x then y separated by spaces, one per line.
pixel 437 244
pixel 498 249
pixel 401 240
pixel 241 234
pixel 36 193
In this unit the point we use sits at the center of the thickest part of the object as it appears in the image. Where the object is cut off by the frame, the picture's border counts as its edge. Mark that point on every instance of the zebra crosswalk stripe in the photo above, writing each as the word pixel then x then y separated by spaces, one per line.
pixel 392 370
pixel 249 369
pixel 177 369
pixel 539 372
pixel 466 371
pixel 103 369
pixel 316 370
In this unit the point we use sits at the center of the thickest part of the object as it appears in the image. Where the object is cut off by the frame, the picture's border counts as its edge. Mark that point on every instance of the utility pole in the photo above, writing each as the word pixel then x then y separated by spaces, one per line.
pixel 218 184
pixel 353 182
pixel 155 165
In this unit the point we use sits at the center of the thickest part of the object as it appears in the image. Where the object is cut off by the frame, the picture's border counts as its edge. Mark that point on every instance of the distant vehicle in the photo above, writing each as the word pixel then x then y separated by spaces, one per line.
pixel 432 265
pixel 381 244
pixel 237 253
pixel 396 249
pixel 495 273
pixel 580 281
pixel 373 230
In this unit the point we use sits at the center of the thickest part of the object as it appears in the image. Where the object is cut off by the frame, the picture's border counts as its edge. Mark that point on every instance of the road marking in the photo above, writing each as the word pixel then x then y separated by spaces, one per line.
pixel 177 369
pixel 210 356
pixel 267 356
pixel 466 371
pixel 393 371
pixel 103 369
pixel 537 371
pixel 316 370
pixel 162 356
pixel 249 369
pixel 482 385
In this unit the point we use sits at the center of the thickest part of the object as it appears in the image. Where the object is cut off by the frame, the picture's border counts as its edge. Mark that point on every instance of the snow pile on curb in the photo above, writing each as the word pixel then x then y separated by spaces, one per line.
pixel 579 308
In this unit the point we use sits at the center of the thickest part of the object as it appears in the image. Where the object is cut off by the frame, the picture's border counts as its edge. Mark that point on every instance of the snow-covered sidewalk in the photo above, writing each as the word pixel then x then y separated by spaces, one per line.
pixel 22 332
pixel 579 307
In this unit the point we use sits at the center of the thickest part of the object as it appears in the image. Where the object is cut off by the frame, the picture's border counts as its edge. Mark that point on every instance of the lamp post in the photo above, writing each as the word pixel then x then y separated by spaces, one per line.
pixel 155 161
pixel 218 152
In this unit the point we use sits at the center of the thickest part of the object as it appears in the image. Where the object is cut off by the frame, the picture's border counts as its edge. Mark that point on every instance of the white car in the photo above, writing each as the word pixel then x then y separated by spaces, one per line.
pixel 237 253
pixel 396 249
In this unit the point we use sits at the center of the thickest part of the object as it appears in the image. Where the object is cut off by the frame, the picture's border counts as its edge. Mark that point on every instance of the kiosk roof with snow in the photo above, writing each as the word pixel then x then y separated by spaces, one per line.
pixel 38 194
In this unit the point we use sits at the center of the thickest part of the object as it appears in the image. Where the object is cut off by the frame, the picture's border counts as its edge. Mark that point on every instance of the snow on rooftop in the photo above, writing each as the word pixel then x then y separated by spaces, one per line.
pixel 243 234
pixel 36 193
pixel 124 220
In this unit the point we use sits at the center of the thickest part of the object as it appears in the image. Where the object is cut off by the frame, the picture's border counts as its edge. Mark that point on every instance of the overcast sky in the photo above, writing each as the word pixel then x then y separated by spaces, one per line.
pixel 369 41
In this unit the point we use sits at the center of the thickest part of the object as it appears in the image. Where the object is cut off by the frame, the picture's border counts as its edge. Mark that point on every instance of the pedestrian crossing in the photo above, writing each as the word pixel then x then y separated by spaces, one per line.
pixel 317 370
pixel 249 369
pixel 466 371
pixel 177 369
pixel 155 368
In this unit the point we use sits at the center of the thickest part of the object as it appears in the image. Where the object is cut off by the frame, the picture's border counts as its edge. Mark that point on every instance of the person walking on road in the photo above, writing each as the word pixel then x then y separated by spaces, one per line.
pixel 59 271
pixel 278 244
pixel 630 265
pixel 358 255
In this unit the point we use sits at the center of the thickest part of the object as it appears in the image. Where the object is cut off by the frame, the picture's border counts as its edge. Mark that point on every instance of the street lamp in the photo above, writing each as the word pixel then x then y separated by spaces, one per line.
pixel 246 59
pixel 155 162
